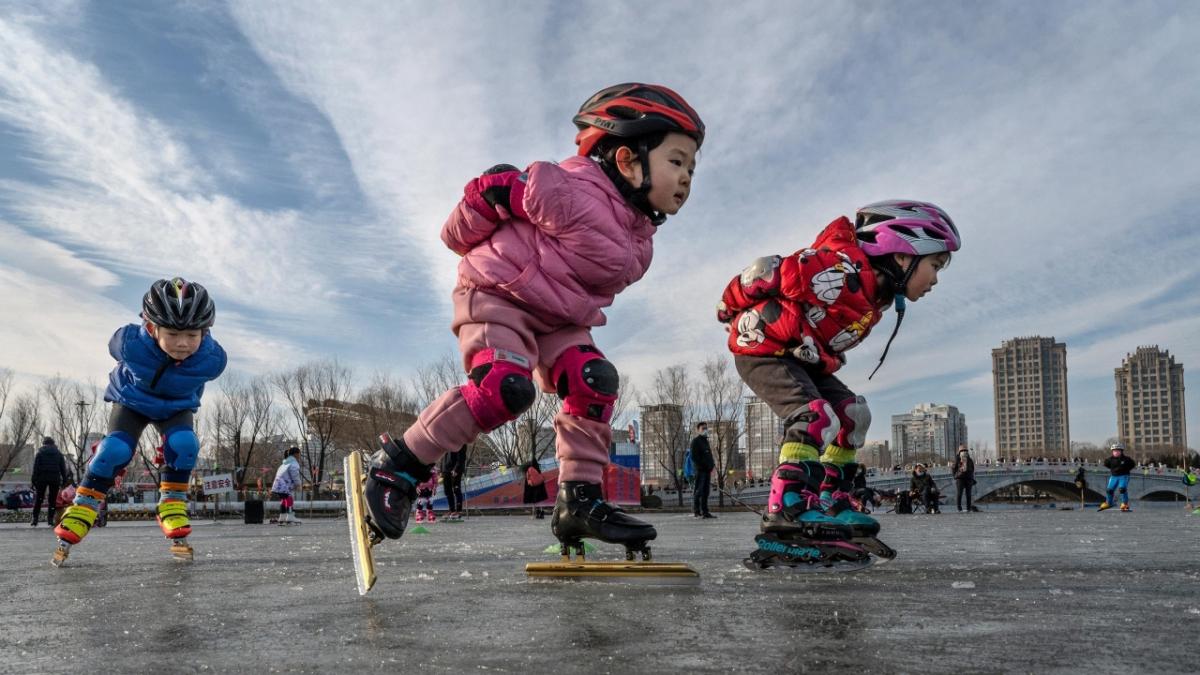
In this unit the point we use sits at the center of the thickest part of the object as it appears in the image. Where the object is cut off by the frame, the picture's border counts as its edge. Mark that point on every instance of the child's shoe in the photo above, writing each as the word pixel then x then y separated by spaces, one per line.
pixel 173 519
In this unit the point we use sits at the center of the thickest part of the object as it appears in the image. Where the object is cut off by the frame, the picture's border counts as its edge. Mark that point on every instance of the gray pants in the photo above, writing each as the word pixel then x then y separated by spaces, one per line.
pixel 787 388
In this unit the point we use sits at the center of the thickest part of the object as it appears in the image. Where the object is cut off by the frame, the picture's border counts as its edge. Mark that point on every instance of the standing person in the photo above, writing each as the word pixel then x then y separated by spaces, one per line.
pixel 287 482
pixel 454 466
pixel 923 488
pixel 703 465
pixel 424 503
pixel 791 319
pixel 1119 465
pixel 535 487
pixel 49 474
pixel 964 477
pixel 545 250
pixel 162 367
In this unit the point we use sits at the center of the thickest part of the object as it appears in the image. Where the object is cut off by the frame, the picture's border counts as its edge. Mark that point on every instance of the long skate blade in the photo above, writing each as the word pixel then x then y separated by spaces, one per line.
pixel 360 535
pixel 654 573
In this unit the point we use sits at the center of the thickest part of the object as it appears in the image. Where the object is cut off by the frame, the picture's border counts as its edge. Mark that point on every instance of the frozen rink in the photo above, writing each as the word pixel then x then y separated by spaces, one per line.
pixel 1002 591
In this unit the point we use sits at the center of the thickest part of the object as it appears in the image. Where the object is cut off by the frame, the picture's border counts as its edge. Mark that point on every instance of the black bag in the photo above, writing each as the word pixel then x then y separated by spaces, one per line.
pixel 903 503
pixel 254 512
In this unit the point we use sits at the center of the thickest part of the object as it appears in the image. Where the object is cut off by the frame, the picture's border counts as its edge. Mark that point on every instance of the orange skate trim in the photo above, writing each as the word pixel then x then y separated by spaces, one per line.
pixel 89 492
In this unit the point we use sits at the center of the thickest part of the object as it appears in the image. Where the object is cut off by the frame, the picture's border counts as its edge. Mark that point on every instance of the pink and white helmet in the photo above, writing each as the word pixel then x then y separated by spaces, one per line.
pixel 905 226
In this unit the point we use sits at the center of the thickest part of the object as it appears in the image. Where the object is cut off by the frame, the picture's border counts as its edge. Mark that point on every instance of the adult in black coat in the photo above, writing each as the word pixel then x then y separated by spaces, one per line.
pixel 454 467
pixel 49 475
pixel 923 488
pixel 964 477
pixel 702 461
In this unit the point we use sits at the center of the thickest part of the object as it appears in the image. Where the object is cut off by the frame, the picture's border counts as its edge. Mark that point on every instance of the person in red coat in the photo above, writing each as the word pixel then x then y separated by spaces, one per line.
pixel 792 318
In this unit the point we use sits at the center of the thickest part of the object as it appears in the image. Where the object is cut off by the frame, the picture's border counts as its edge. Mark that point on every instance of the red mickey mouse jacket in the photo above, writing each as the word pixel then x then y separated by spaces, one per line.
pixel 814 304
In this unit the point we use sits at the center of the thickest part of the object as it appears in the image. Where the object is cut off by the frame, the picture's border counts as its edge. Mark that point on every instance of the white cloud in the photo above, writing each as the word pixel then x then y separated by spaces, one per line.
pixel 1060 138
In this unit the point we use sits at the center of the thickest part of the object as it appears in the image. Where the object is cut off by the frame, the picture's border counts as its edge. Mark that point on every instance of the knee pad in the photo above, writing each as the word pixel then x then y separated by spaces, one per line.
pixel 855 418
pixel 180 448
pixel 818 420
pixel 586 382
pixel 113 454
pixel 500 387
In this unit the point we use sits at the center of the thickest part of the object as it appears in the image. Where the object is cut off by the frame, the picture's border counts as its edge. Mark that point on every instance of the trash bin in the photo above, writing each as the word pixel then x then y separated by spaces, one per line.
pixel 254 512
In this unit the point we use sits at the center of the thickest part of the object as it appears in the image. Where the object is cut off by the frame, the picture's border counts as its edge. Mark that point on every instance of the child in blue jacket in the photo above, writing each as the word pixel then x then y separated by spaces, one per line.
pixel 162 367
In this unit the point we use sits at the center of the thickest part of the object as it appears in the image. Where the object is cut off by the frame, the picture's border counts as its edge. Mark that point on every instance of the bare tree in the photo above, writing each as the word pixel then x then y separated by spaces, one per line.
pixel 436 377
pixel 526 437
pixel 671 401
pixel 21 420
pixel 720 393
pixel 147 454
pixel 384 405
pixel 316 394
pixel 75 410
pixel 243 420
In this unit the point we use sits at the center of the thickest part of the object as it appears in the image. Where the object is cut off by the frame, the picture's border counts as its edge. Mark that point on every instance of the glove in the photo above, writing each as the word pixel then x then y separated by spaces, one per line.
pixel 498 194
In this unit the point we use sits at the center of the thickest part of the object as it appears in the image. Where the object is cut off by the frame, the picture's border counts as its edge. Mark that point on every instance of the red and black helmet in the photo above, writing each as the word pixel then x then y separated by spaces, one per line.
pixel 634 109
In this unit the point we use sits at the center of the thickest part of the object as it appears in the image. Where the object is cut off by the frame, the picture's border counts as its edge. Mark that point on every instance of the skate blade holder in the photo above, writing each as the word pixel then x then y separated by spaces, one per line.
pixel 362 537
pixel 182 551
pixel 800 568
pixel 650 573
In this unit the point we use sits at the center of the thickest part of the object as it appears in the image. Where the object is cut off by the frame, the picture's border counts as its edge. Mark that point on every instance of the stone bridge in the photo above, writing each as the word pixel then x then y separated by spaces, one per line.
pixel 1054 479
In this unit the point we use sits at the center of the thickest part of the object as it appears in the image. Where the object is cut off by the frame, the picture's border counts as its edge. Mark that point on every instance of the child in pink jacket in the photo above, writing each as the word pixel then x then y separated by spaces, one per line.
pixel 544 251
pixel 424 505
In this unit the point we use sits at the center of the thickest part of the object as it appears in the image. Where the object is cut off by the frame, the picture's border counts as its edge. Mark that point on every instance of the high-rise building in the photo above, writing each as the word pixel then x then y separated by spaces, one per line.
pixel 931 431
pixel 1029 383
pixel 1150 410
pixel 723 439
pixel 764 433
pixel 664 440
pixel 875 453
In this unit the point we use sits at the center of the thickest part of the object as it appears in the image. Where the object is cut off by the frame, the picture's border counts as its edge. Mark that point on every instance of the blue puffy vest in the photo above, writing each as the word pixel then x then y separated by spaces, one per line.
pixel 149 381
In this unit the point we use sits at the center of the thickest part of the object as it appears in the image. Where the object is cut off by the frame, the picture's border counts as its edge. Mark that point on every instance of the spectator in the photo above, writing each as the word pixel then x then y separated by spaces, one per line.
pixel 703 464
pixel 964 477
pixel 287 481
pixel 864 497
pixel 454 465
pixel 535 487
pixel 924 489
pixel 49 474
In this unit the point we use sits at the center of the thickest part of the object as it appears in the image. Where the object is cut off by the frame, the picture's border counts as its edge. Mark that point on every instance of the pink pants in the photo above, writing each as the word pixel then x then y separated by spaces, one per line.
pixel 483 321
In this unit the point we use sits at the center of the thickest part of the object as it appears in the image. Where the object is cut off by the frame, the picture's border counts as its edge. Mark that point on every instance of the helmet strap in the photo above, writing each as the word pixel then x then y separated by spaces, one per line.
pixel 900 306
pixel 639 197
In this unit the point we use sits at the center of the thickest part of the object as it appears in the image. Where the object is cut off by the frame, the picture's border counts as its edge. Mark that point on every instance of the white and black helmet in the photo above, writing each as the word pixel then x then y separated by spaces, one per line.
pixel 178 304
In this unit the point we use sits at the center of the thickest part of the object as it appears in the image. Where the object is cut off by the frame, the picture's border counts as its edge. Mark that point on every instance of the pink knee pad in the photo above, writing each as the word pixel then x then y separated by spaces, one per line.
pixel 586 382
pixel 855 419
pixel 500 387
pixel 818 420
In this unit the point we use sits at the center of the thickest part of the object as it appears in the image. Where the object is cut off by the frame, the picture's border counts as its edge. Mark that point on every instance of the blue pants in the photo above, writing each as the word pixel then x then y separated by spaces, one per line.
pixel 1120 483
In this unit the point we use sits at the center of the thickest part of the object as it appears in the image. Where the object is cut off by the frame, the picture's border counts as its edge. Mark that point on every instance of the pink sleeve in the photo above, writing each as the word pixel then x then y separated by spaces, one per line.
pixel 555 202
pixel 465 228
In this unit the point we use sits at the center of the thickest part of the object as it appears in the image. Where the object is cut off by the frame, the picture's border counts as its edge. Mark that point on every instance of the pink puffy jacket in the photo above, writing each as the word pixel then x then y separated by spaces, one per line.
pixel 583 244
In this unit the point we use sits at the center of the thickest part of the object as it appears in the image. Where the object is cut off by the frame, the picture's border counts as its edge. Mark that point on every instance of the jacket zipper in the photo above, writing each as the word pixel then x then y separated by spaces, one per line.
pixel 159 373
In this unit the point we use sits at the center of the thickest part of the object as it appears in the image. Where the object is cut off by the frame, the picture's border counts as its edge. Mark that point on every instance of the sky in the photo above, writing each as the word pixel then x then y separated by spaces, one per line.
pixel 299 159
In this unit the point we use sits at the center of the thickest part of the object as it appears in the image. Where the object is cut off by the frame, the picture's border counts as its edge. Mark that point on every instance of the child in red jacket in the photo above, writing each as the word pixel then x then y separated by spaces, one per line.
pixel 792 318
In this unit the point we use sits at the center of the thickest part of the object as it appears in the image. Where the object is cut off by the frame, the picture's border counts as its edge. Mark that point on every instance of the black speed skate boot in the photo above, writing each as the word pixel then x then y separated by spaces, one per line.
pixel 796 534
pixel 580 511
pixel 391 488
